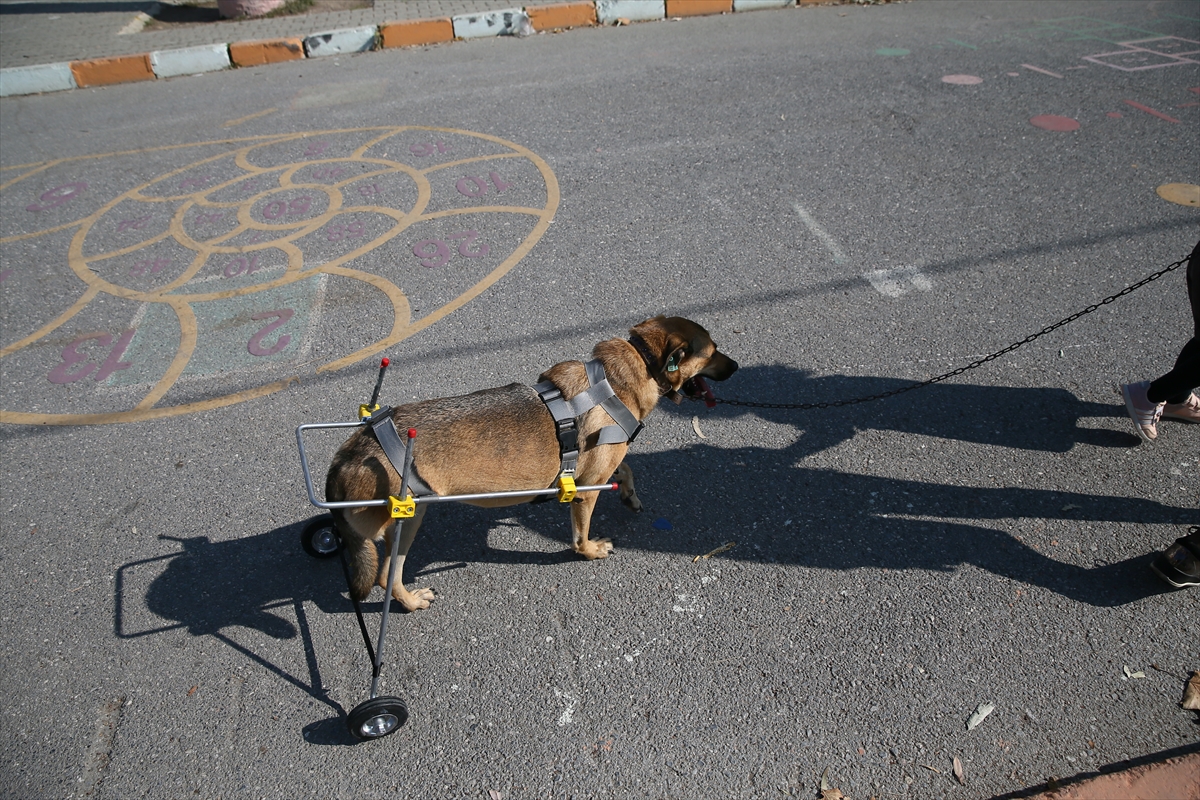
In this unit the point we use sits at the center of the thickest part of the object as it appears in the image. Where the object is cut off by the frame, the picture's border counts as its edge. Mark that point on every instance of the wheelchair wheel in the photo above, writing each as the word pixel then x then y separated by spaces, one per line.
pixel 377 717
pixel 319 537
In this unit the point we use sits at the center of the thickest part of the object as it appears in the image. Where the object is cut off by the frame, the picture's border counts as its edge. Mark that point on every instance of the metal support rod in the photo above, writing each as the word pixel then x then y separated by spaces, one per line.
pixel 392 567
pixel 383 365
pixel 434 498
pixel 312 495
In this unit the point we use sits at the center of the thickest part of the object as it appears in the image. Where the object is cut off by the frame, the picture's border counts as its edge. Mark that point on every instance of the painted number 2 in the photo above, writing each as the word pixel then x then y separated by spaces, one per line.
pixel 281 316
pixel 436 253
pixel 68 372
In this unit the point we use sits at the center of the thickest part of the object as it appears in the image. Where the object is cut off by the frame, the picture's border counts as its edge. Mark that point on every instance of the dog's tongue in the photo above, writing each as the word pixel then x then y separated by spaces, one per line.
pixel 709 399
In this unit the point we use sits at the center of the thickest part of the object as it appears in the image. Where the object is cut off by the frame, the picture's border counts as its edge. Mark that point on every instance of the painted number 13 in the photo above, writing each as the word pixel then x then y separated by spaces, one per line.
pixel 69 371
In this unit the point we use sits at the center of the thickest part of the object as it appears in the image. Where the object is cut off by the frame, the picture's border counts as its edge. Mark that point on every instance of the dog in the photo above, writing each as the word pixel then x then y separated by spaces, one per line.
pixel 505 439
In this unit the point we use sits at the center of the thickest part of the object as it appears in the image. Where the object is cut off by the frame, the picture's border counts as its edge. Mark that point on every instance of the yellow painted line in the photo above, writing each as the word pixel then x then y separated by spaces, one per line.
pixel 475 160
pixel 454 212
pixel 75 308
pixel 36 169
pixel 246 118
pixel 401 330
pixel 23 418
pixel 187 345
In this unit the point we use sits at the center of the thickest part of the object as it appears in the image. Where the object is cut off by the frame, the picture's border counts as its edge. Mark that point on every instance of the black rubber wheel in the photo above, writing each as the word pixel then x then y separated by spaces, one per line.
pixel 319 537
pixel 377 717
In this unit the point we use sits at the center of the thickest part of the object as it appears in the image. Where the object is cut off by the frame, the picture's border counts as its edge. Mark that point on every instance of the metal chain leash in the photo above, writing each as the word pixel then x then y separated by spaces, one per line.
pixel 960 370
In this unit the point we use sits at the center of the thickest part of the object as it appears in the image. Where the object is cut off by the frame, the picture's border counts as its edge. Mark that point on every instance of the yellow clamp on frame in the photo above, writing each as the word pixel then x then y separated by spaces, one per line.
pixel 403 509
pixel 566 488
pixel 365 410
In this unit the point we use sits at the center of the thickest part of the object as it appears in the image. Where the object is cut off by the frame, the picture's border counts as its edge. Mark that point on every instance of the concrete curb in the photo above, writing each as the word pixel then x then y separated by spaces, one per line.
pixel 514 21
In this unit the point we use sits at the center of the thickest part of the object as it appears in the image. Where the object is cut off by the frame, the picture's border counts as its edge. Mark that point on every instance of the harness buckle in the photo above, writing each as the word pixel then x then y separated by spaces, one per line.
pixel 566 486
pixel 402 509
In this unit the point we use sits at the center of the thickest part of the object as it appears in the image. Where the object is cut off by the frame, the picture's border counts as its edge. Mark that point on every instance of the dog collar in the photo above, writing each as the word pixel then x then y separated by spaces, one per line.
pixel 651 362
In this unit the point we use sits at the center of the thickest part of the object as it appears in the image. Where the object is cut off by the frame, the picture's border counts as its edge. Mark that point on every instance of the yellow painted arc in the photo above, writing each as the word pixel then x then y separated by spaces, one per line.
pixel 188 333
pixel 75 308
pixel 124 251
pixel 24 418
pixel 400 330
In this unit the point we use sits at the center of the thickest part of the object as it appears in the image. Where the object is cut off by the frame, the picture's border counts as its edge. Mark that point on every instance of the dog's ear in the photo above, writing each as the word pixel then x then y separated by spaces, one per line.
pixel 674 353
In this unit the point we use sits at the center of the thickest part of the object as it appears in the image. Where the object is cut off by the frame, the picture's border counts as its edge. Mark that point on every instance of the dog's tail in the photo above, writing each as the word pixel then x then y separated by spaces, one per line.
pixel 359 548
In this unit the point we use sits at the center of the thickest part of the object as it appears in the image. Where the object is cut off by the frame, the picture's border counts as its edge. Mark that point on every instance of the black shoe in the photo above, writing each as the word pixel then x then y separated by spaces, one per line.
pixel 1179 564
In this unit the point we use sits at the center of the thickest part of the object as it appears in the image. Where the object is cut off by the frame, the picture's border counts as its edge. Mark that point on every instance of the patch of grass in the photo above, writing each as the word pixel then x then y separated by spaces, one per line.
pixel 289 8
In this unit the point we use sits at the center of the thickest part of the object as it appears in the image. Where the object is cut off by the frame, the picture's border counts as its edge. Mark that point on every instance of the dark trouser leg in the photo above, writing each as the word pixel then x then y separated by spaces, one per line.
pixel 1176 385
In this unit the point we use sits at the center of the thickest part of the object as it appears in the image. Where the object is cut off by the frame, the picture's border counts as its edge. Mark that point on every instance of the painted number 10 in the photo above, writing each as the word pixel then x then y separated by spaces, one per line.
pixel 477 187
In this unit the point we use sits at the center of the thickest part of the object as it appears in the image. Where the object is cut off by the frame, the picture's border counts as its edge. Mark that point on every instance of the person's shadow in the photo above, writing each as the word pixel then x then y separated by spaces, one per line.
pixel 840 519
pixel 1025 419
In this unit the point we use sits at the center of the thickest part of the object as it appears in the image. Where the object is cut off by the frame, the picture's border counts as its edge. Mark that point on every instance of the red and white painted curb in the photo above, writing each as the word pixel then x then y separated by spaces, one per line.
pixel 517 21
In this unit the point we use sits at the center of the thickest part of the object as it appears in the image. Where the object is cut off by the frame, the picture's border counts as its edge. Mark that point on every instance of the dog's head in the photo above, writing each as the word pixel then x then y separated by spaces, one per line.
pixel 679 355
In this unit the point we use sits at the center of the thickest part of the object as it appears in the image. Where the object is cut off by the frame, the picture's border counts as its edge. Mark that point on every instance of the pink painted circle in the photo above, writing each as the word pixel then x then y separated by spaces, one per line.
pixel 962 80
pixel 1053 122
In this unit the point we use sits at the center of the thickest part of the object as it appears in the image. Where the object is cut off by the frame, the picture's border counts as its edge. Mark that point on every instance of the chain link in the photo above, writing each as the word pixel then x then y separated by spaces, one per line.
pixel 978 363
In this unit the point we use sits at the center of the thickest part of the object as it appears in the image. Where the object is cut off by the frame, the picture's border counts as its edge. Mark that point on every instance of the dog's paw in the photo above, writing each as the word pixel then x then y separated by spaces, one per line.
pixel 630 500
pixel 595 548
pixel 413 601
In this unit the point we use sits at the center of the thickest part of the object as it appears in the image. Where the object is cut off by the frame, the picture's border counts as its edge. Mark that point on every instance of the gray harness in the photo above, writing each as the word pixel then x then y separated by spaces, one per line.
pixel 566 415
pixel 393 447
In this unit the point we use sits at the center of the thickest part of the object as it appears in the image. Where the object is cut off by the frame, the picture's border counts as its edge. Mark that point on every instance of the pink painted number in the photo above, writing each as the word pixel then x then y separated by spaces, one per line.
pixel 281 316
pixel 472 186
pixel 436 253
pixel 55 197
pixel 63 373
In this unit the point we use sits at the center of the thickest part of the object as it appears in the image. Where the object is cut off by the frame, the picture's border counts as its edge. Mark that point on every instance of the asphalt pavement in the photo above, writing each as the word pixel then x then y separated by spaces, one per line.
pixel 849 198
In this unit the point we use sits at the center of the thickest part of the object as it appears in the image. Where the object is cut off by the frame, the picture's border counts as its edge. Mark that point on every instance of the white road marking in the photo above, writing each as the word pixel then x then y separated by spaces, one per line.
pixel 839 255
pixel 898 281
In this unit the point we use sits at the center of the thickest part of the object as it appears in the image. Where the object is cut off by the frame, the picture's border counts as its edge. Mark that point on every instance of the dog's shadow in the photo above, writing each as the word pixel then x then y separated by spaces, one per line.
pixel 840 519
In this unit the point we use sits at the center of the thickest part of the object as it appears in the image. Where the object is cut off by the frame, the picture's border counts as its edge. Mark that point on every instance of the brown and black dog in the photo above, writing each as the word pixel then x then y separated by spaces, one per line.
pixel 504 439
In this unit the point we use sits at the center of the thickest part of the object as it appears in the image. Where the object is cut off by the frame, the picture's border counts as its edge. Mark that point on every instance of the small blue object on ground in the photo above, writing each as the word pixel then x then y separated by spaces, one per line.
pixel 662 524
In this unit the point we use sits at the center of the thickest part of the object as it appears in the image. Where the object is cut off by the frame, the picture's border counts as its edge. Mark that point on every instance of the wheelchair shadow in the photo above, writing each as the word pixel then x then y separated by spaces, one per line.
pixel 208 588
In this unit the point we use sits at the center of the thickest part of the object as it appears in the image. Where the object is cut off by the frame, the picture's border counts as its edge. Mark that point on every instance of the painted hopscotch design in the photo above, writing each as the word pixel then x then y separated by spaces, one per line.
pixel 221 271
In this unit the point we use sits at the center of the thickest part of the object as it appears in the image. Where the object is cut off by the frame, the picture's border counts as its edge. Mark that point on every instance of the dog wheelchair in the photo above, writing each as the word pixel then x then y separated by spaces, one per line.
pixel 380 716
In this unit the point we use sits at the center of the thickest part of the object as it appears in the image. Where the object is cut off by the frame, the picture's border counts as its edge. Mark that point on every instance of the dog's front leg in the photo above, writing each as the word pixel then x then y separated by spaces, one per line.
pixel 624 477
pixel 581 520
pixel 412 601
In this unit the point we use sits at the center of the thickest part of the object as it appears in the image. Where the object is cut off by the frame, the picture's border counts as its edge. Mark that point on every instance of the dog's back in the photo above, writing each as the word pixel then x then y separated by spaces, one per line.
pixel 487 441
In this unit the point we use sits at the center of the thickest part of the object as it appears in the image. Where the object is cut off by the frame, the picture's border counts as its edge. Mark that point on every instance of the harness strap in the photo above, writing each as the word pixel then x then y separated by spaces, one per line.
pixel 566 414
pixel 393 447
